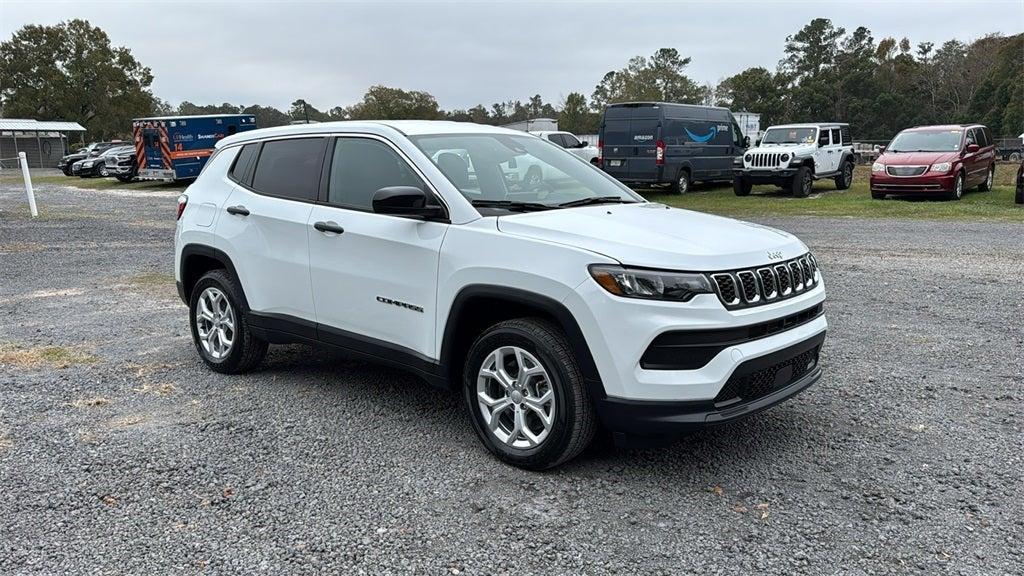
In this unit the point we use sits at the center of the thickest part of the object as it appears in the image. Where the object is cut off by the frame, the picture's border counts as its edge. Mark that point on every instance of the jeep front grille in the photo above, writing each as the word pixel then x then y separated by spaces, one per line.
pixel 765 159
pixel 756 286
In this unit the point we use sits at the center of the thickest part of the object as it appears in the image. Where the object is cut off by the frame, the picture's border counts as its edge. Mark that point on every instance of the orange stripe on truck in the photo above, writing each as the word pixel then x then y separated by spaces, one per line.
pixel 176 154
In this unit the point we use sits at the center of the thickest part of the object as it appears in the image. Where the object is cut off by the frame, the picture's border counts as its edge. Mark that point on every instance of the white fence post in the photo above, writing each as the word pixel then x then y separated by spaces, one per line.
pixel 28 184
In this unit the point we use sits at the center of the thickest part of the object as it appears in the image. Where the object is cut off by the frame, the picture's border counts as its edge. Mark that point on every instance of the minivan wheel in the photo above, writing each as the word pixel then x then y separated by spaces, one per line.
pixel 682 183
pixel 845 178
pixel 526 395
pixel 219 321
pixel 803 181
pixel 958 187
pixel 989 177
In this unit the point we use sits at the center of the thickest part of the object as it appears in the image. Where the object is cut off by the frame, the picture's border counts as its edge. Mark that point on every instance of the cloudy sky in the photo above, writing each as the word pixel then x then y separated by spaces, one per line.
pixel 466 53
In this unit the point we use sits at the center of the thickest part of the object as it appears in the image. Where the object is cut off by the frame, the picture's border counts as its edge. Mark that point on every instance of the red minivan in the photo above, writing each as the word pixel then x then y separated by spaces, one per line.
pixel 935 160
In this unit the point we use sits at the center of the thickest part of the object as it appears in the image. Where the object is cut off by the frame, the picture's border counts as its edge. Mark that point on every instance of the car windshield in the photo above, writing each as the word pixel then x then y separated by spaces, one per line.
pixel 926 141
pixel 789 136
pixel 509 171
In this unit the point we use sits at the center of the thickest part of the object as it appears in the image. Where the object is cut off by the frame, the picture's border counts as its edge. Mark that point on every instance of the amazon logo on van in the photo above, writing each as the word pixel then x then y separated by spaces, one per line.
pixel 643 137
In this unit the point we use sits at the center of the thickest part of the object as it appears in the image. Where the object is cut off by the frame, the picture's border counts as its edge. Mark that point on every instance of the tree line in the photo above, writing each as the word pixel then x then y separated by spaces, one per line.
pixel 71 71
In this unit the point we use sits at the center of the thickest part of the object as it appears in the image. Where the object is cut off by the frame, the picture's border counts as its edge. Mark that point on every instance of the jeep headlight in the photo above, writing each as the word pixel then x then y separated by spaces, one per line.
pixel 878 167
pixel 748 158
pixel 941 167
pixel 650 284
pixel 784 158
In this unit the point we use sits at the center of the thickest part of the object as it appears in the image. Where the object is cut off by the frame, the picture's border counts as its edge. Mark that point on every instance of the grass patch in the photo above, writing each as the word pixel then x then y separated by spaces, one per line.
pixel 996 205
pixel 107 183
pixel 55 356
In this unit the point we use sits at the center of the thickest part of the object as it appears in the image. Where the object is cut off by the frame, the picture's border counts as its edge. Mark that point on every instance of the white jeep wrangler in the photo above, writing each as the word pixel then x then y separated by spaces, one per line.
pixel 793 156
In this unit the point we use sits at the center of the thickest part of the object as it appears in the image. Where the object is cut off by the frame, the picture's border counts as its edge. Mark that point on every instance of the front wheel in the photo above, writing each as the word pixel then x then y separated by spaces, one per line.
pixel 526 395
pixel 845 178
pixel 219 321
pixel 741 186
pixel 803 181
pixel 958 187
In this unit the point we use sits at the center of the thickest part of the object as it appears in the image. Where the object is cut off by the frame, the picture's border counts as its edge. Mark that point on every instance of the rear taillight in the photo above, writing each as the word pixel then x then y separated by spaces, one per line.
pixel 659 152
pixel 182 201
pixel 600 153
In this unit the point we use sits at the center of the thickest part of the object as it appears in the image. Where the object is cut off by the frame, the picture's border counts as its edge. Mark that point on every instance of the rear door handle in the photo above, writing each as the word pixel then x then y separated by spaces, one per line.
pixel 329 226
pixel 238 210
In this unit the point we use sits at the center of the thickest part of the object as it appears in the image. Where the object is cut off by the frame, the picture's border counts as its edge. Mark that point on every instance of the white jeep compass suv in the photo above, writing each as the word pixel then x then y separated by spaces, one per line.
pixel 555 307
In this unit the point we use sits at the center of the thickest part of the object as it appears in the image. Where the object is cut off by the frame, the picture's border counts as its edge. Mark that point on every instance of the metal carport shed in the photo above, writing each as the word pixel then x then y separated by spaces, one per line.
pixel 42 142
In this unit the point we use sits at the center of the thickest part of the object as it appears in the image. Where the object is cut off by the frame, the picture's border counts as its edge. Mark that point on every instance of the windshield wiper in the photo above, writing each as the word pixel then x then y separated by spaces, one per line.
pixel 596 200
pixel 511 205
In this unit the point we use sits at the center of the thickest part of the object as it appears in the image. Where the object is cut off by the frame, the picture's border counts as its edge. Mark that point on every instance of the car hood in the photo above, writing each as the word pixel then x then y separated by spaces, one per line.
pixel 917 158
pixel 656 236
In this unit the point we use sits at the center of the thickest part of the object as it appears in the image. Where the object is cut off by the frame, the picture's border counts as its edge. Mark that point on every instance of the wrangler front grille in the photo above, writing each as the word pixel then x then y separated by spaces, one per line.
pixel 756 286
pixel 765 159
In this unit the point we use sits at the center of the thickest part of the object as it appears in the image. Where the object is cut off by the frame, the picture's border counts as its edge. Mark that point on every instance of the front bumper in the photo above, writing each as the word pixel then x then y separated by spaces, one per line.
pixel 155 174
pixel 882 183
pixel 778 377
pixel 765 176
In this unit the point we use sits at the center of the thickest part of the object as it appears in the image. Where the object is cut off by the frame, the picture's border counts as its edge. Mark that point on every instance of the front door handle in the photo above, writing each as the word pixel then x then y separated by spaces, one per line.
pixel 329 226
pixel 238 210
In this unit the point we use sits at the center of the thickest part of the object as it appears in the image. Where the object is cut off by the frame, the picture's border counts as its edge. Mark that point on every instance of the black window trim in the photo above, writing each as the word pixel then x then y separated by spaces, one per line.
pixel 325 177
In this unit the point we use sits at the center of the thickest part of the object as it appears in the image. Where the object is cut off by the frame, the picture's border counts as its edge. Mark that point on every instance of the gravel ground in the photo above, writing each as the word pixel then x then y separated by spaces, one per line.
pixel 121 454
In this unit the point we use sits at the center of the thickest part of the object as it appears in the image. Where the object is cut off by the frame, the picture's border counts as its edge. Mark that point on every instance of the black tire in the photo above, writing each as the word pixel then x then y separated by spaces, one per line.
pixel 990 178
pixel 741 186
pixel 574 421
pixel 126 178
pixel 66 170
pixel 1019 197
pixel 246 351
pixel 958 187
pixel 845 178
pixel 1015 157
pixel 681 185
pixel 803 181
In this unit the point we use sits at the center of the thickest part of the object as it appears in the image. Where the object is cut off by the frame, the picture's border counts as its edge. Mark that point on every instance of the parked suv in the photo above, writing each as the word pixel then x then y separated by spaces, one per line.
pixel 92 150
pixel 118 161
pixel 665 143
pixel 935 160
pixel 581 149
pixel 552 309
pixel 793 156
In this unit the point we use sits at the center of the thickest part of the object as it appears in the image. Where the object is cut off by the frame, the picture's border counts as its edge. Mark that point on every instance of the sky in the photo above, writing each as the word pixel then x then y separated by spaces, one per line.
pixel 465 53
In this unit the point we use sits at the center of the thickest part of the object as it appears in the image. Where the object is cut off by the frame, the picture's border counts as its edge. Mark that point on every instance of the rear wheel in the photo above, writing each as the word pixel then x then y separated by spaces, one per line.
pixel 845 178
pixel 989 177
pixel 741 186
pixel 218 317
pixel 803 181
pixel 681 185
pixel 958 187
pixel 526 395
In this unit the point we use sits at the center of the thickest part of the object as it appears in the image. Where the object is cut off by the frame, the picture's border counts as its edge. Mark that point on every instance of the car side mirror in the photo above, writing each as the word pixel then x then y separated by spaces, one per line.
pixel 881 149
pixel 405 201
pixel 746 141
pixel 757 142
pixel 584 144
pixel 972 148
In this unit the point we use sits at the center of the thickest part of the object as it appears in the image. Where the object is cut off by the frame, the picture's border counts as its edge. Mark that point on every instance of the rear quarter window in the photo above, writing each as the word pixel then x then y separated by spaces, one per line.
pixel 290 168
pixel 241 171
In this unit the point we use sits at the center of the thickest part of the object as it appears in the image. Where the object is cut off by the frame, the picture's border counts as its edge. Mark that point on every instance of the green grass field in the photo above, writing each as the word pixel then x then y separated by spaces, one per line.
pixel 996 205
pixel 856 202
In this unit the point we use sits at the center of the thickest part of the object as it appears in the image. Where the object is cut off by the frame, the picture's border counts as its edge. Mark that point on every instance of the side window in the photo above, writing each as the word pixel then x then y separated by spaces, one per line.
pixel 737 134
pixel 836 137
pixel 241 172
pixel 570 141
pixel 971 138
pixel 847 139
pixel 557 139
pixel 290 168
pixel 989 141
pixel 360 167
pixel 823 137
pixel 982 135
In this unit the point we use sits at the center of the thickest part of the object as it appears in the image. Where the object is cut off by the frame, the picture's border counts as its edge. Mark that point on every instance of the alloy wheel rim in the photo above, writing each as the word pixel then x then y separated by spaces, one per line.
pixel 515 397
pixel 848 174
pixel 807 184
pixel 988 181
pixel 684 183
pixel 215 323
pixel 959 186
